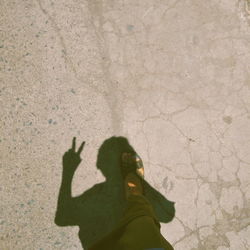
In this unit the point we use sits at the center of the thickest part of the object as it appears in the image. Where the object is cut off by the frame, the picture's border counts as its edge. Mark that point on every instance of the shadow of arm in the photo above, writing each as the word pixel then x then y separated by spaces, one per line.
pixel 67 206
pixel 164 209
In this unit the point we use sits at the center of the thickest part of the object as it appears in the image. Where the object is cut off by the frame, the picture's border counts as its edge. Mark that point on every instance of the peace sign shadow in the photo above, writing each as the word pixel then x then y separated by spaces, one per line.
pixel 98 210
pixel 72 159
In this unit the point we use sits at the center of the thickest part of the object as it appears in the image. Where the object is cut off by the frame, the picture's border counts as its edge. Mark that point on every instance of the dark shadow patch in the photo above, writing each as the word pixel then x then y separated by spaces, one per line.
pixel 98 210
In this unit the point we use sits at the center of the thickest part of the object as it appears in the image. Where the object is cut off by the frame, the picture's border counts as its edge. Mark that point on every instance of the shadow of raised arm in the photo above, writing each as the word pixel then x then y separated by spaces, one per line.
pixel 67 213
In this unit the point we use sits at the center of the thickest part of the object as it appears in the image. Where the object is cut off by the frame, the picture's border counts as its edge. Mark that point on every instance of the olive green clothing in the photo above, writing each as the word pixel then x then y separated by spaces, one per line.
pixel 138 229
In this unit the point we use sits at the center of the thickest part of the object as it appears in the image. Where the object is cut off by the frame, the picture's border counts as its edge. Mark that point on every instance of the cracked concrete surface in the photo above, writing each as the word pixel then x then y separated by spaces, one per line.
pixel 171 76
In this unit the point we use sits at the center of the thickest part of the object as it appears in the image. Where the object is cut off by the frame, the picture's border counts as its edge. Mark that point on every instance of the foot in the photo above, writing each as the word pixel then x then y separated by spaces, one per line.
pixel 133 185
pixel 132 182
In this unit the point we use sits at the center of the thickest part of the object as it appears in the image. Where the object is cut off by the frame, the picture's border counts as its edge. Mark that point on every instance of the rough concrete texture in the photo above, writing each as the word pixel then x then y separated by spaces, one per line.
pixel 170 76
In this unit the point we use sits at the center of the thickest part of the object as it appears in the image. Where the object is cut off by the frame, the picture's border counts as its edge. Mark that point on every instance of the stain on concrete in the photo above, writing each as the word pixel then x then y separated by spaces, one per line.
pixel 227 119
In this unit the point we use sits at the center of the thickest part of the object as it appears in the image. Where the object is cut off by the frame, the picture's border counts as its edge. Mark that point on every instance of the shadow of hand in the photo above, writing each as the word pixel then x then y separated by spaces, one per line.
pixel 72 159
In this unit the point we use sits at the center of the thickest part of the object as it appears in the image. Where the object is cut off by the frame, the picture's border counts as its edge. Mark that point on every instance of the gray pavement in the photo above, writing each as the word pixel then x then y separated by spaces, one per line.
pixel 173 77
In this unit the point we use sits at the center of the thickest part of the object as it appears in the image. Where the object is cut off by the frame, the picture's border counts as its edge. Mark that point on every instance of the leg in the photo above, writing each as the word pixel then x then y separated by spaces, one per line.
pixel 142 230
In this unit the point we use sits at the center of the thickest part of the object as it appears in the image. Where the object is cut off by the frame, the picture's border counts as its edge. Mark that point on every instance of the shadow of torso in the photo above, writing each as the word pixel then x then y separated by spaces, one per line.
pixel 100 208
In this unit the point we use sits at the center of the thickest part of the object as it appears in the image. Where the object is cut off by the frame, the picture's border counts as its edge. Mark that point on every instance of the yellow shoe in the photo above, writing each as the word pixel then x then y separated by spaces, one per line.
pixel 133 173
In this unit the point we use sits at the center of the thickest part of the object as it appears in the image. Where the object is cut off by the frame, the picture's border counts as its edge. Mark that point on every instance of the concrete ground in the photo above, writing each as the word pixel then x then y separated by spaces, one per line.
pixel 173 77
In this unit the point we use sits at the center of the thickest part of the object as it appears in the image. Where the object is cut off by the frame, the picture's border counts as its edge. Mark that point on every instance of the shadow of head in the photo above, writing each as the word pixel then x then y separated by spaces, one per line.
pixel 109 155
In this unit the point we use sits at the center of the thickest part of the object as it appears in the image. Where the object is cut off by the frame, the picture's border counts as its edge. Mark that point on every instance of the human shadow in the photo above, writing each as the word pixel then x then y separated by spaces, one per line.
pixel 98 210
